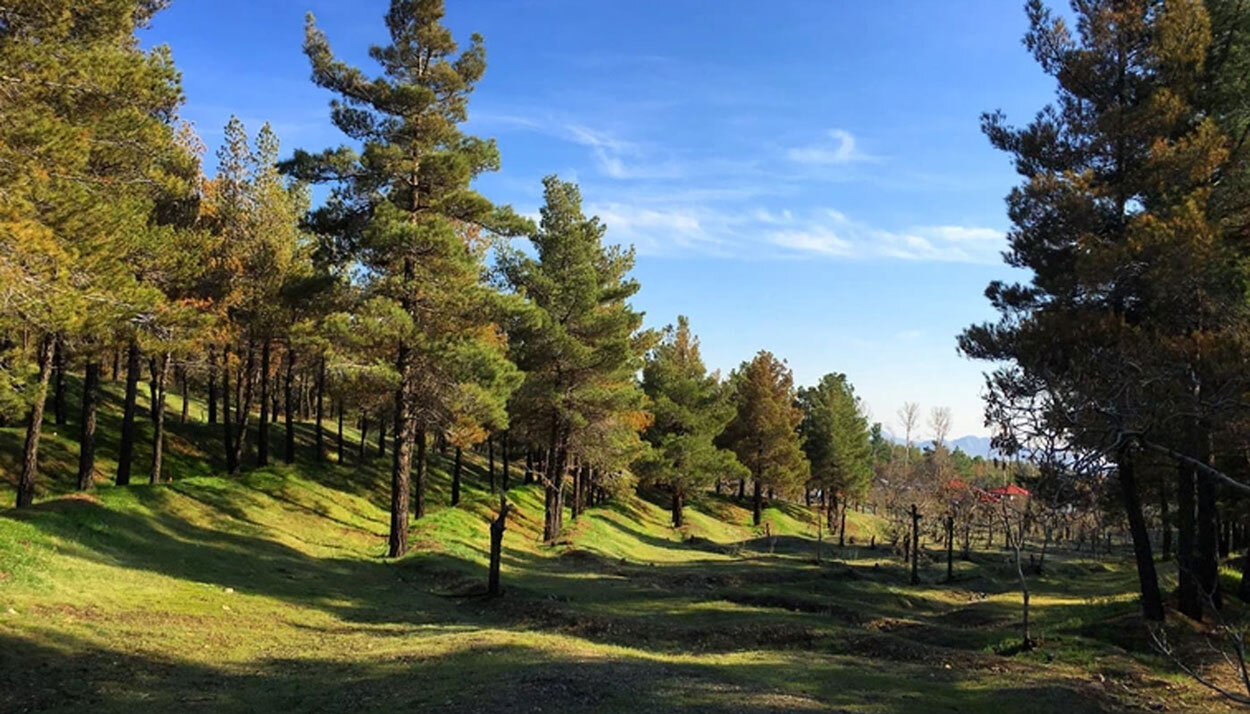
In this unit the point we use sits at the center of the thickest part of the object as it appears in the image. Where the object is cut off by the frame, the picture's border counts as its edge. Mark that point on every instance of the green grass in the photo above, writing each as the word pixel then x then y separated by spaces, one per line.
pixel 268 592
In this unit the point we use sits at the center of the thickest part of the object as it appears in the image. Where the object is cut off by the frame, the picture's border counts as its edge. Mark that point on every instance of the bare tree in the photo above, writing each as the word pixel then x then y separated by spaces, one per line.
pixel 940 423
pixel 909 417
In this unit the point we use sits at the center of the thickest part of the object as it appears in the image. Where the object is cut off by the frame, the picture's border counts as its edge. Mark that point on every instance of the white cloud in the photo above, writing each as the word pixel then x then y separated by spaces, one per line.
pixel 833 233
pixel 842 149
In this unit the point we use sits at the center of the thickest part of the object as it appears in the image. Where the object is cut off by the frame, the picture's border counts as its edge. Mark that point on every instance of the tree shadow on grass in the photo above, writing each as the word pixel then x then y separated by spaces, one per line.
pixel 63 673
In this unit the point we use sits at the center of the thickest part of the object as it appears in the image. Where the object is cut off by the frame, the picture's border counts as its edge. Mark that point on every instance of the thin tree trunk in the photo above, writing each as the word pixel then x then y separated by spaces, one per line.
pixel 364 435
pixel 1165 523
pixel 288 411
pixel 227 428
pixel 1152 602
pixel 340 433
pixel 320 429
pixel 125 451
pixel 1208 530
pixel 401 465
pixel 382 434
pixel 158 424
pixel 678 503
pixel 243 406
pixel 421 465
pixel 262 426
pixel 757 503
pixel 86 431
pixel 490 469
pixel 503 476
pixel 496 545
pixel 1189 600
pixel 58 387
pixel 455 480
pixel 182 390
pixel 212 385
pixel 34 426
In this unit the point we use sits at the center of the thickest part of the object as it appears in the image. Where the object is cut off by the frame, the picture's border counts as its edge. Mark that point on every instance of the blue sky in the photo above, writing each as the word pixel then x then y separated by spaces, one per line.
pixel 801 176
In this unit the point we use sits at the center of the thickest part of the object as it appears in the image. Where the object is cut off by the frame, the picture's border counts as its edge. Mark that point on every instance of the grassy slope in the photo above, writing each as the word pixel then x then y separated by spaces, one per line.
pixel 267 592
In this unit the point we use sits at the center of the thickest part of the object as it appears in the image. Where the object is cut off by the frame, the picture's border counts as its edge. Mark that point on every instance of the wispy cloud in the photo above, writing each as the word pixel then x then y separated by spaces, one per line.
pixel 840 148
pixel 833 233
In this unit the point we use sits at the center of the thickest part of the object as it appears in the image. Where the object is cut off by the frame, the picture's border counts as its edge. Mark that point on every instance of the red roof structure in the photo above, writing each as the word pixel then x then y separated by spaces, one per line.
pixel 1010 490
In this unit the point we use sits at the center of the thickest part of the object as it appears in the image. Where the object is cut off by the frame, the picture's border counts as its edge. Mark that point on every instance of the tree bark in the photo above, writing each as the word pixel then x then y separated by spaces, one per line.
pixel 364 436
pixel 321 388
pixel 503 476
pixel 182 390
pixel 86 430
pixel 1165 523
pixel 1148 579
pixel 1190 599
pixel 158 424
pixel 382 434
pixel 34 426
pixel 58 387
pixel 288 409
pixel 243 407
pixel 455 480
pixel 757 502
pixel 262 426
pixel 1208 529
pixel 212 385
pixel 419 511
pixel 401 464
pixel 496 545
pixel 490 469
pixel 341 452
pixel 678 503
pixel 125 451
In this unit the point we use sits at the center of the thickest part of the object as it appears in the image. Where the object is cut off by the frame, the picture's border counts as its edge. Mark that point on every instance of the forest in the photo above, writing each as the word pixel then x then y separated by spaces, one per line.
pixel 369 439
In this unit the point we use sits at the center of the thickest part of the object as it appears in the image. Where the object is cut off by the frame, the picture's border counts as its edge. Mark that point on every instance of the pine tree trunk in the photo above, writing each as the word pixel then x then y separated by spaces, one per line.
pixel 364 435
pixel 341 452
pixel 401 465
pixel 243 407
pixel 842 527
pixel 158 424
pixel 288 410
pixel 1152 602
pixel 1208 530
pixel 320 406
pixel 125 451
pixel 490 469
pixel 757 504
pixel 528 478
pixel 1189 600
pixel 503 474
pixel 1165 523
pixel 421 466
pixel 678 502
pixel 496 545
pixel 227 429
pixel 117 364
pixel 86 430
pixel 182 391
pixel 742 489
pixel 212 385
pixel 262 426
pixel 455 480
pixel 58 387
pixel 382 434
pixel 34 426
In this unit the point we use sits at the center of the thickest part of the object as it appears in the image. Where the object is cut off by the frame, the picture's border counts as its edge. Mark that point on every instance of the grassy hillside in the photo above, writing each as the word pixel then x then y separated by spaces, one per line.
pixel 268 592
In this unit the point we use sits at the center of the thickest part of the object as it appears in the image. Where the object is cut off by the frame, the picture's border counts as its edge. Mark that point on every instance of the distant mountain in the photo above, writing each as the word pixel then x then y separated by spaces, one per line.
pixel 974 445
pixel 970 445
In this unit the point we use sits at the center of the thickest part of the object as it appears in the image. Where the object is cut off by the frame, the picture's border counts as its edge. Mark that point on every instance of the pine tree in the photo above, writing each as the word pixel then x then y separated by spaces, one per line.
pixel 1127 329
pixel 691 408
pixel 580 346
pixel 764 431
pixel 836 439
pixel 396 205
